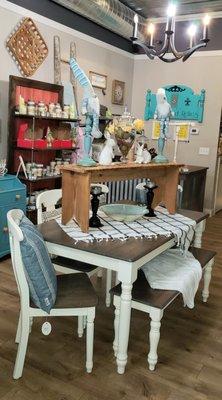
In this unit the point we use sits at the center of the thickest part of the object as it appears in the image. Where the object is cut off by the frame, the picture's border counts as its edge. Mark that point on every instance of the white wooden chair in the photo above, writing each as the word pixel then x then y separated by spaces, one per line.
pixel 49 199
pixel 69 301
pixel 155 301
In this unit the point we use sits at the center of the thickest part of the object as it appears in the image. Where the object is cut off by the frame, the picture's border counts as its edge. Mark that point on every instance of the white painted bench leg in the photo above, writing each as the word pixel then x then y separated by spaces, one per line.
pixel 100 273
pixel 80 325
pixel 20 358
pixel 108 286
pixel 84 321
pixel 207 279
pixel 124 326
pixel 198 234
pixel 18 333
pixel 89 340
pixel 116 301
pixel 155 315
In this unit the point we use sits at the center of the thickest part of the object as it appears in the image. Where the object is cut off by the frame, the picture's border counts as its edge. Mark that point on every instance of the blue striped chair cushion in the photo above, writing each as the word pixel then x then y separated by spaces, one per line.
pixel 39 271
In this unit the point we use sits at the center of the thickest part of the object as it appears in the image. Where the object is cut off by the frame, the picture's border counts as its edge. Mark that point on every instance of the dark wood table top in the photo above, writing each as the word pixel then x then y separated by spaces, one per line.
pixel 131 250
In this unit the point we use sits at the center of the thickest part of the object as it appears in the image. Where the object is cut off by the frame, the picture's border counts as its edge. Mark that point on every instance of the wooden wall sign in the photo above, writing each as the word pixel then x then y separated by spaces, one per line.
pixel 185 104
pixel 27 47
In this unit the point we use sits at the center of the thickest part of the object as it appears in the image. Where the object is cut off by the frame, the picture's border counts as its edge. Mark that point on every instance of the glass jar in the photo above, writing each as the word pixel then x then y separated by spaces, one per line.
pixel 31 107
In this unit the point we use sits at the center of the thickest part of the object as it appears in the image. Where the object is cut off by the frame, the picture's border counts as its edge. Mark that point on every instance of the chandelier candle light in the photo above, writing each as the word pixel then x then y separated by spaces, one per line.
pixel 169 41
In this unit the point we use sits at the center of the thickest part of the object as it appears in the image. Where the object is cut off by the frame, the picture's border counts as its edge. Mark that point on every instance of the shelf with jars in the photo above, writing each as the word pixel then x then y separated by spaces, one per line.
pixel 42 129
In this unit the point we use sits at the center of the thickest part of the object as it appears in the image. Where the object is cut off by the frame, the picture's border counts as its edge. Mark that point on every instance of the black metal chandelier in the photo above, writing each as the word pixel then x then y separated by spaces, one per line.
pixel 168 46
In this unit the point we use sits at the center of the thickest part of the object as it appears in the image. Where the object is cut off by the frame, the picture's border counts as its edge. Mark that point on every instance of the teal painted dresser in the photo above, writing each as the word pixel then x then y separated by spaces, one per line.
pixel 12 195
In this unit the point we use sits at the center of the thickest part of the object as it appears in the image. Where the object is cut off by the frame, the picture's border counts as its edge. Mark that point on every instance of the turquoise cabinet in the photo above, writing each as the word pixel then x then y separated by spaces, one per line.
pixel 12 195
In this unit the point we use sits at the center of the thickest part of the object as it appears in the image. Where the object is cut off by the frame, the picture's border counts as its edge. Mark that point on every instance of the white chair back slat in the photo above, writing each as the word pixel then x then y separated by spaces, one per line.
pixel 48 199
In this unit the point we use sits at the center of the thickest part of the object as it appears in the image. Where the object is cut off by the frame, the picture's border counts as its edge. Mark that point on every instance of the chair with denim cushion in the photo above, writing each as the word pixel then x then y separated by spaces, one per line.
pixel 41 292
pixel 49 199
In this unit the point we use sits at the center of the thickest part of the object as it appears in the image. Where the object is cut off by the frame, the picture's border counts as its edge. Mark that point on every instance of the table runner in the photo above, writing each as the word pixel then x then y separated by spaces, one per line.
pixel 164 224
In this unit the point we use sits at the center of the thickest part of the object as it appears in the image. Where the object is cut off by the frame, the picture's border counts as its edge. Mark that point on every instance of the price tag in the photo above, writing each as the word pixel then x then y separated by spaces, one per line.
pixel 46 328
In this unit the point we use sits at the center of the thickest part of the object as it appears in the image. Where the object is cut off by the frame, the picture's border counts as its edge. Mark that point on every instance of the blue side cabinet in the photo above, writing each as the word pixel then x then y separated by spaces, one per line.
pixel 12 195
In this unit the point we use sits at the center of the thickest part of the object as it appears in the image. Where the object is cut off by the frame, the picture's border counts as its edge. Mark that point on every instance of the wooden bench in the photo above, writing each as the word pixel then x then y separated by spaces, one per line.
pixel 155 301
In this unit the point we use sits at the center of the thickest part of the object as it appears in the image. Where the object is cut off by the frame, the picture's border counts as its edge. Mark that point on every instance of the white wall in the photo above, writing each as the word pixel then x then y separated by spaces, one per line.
pixel 105 59
pixel 199 73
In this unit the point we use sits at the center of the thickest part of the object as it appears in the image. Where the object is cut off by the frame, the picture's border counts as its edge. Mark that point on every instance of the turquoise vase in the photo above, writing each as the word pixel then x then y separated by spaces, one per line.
pixel 160 158
pixel 87 161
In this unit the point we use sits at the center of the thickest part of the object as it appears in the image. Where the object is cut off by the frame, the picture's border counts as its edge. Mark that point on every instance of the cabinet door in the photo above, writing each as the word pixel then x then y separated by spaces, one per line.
pixel 4 238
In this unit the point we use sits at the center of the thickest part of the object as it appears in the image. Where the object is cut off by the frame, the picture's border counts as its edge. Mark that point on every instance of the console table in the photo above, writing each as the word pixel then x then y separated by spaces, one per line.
pixel 76 182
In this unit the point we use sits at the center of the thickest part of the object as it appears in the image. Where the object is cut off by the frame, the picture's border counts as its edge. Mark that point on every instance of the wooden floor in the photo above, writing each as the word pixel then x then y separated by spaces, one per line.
pixel 190 350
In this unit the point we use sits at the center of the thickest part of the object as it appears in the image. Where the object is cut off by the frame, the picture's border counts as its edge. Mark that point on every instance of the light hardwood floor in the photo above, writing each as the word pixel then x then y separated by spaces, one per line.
pixel 190 350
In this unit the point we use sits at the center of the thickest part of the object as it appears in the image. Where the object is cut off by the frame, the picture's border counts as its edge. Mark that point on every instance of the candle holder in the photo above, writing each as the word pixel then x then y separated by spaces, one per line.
pixel 150 186
pixel 94 221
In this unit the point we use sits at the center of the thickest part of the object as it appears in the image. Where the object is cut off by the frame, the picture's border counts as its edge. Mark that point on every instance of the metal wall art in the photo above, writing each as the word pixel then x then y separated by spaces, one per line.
pixel 185 104
pixel 27 47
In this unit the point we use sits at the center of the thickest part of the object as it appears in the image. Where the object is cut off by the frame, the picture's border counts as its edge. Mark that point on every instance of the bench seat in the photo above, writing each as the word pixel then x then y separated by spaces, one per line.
pixel 160 298
pixel 155 301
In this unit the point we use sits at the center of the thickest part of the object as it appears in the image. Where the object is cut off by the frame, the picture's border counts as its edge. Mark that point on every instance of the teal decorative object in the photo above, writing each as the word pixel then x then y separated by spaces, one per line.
pixel 124 212
pixel 91 109
pixel 185 104
pixel 12 195
pixel 163 113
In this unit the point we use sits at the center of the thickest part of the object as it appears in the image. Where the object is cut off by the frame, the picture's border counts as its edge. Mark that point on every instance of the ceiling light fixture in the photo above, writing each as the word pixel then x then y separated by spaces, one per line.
pixel 168 46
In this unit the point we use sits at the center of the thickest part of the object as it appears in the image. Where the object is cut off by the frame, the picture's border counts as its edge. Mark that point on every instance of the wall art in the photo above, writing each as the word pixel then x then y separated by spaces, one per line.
pixel 185 104
pixel 27 47
pixel 118 92
pixel 98 80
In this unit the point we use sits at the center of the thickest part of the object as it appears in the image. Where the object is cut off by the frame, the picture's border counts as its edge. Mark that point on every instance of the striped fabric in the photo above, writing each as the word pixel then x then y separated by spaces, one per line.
pixel 39 270
pixel 79 74
pixel 163 224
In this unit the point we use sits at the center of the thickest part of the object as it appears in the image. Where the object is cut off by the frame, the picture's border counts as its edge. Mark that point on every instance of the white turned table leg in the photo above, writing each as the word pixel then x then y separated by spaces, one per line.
pixel 124 326
pixel 108 286
pixel 207 279
pixel 155 315
pixel 198 234
pixel 89 340
pixel 80 325
pixel 116 302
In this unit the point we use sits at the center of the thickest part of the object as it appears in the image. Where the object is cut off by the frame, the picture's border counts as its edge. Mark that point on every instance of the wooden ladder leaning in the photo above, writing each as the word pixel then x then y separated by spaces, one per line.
pixel 58 61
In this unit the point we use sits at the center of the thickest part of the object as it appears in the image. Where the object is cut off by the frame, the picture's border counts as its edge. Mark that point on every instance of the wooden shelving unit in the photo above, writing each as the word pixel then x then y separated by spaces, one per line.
pixel 36 91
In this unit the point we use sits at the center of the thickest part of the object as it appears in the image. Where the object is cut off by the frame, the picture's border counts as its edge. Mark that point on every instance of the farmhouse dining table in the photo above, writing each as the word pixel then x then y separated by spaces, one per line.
pixel 123 257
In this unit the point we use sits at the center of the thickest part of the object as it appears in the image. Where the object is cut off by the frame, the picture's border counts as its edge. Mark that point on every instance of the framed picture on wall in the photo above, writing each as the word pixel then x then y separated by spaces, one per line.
pixel 118 92
pixel 98 80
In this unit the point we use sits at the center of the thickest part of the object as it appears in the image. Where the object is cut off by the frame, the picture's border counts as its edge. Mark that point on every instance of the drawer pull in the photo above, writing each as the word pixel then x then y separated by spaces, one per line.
pixel 18 196
pixel 5 229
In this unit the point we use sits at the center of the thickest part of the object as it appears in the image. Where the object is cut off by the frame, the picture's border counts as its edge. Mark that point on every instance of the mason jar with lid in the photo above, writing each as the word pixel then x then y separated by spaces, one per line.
pixel 31 107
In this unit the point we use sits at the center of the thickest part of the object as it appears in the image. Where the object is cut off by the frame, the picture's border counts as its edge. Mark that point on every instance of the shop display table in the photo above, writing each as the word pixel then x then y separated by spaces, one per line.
pixel 76 182
pixel 124 257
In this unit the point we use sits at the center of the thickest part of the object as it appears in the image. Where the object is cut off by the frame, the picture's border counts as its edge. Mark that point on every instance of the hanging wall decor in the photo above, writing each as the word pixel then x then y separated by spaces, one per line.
pixel 185 104
pixel 27 47
pixel 118 89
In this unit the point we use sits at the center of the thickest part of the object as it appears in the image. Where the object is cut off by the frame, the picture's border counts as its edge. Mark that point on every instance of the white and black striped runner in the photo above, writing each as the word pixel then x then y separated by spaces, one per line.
pixel 163 224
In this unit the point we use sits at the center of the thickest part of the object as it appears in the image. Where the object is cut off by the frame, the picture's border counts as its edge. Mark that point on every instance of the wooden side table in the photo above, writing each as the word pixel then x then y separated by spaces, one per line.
pixel 76 182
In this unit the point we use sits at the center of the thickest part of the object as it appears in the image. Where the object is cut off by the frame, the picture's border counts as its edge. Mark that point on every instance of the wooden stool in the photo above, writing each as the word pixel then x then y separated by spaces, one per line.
pixel 155 301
